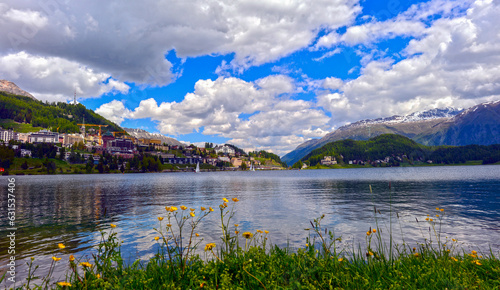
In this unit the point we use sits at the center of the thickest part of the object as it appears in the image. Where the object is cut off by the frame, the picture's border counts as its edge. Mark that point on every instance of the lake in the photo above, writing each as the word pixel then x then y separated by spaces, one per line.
pixel 71 209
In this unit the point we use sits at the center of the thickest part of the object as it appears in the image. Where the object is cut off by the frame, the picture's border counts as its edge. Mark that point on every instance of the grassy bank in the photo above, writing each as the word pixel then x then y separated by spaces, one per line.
pixel 245 260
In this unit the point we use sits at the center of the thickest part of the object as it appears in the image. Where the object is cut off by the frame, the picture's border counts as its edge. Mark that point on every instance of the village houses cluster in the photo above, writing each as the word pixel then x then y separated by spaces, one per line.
pixel 127 147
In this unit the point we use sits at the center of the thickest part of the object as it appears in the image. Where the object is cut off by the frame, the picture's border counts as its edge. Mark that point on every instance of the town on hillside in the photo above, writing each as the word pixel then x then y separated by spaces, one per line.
pixel 96 151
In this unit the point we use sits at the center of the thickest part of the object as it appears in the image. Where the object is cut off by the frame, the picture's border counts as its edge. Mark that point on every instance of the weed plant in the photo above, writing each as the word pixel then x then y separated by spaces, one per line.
pixel 246 261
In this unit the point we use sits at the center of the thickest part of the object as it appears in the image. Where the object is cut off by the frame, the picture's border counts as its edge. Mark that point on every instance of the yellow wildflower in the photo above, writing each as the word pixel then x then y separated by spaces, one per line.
pixel 203 208
pixel 259 231
pixel 210 209
pixel 236 232
pixel 236 225
pixel 454 240
pixel 477 262
pixel 160 218
pixel 374 230
pixel 64 284
pixel 112 225
pixel 196 234
pixel 61 246
pixel 225 199
pixel 235 199
pixel 437 208
pixel 183 207
pixel 191 214
pixel 173 208
pixel 307 245
pixel 169 225
pixel 86 264
pixel 437 215
pixel 414 249
pixel 442 209
pixel 341 259
pixel 157 238
pixel 98 276
pixel 167 208
pixel 426 219
pixel 267 232
pixel 454 259
pixel 247 235
pixel 56 259
pixel 191 209
pixel 416 254
pixel 209 247
pixel 71 258
pixel 431 220
pixel 474 252
pixel 368 233
pixel 370 253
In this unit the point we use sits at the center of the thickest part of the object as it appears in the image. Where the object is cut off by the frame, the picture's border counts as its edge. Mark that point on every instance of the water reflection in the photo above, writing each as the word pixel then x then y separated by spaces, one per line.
pixel 72 209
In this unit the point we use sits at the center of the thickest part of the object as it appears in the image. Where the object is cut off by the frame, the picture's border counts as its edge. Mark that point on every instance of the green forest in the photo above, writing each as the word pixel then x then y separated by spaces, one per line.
pixel 48 115
pixel 400 149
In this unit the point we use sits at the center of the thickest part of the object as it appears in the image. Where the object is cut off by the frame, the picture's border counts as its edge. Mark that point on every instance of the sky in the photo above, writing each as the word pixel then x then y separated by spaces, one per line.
pixel 259 74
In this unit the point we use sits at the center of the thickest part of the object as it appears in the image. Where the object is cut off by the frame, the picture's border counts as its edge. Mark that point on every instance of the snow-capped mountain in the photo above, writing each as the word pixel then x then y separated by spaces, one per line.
pixel 448 126
pixel 448 112
pixel 140 133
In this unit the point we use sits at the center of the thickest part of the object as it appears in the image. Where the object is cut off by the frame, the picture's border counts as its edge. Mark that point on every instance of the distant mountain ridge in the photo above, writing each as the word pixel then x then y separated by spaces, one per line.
pixel 12 88
pixel 448 126
pixel 140 133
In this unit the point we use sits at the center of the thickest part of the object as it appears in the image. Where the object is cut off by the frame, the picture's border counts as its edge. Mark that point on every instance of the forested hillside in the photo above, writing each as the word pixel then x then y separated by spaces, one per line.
pixel 392 145
pixel 49 115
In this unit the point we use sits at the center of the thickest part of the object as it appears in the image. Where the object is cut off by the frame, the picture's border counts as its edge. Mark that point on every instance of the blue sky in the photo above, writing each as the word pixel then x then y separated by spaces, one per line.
pixel 259 74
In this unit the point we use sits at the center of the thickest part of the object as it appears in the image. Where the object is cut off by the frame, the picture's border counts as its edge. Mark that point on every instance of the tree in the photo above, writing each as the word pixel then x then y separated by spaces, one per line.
pixel 24 166
pixel 244 166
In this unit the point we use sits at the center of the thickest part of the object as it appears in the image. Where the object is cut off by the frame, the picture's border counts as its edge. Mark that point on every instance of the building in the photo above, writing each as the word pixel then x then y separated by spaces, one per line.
pixel 236 162
pixel 107 137
pixel 148 141
pixel 7 135
pixel 328 160
pixel 44 136
pixel 120 145
pixel 70 139
pixel 224 149
pixel 224 159
pixel 25 153
pixel 23 137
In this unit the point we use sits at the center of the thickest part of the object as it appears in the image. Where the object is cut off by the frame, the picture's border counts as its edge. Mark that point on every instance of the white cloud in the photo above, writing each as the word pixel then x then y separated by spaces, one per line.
pixel 455 61
pixel 214 108
pixel 56 79
pixel 114 111
pixel 128 40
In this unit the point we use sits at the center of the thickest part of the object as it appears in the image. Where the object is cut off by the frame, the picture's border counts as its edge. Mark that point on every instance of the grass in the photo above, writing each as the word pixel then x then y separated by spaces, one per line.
pixel 247 261
pixel 18 127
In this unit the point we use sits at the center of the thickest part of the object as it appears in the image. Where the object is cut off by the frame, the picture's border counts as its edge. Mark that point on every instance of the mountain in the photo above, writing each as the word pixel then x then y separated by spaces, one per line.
pixel 449 126
pixel 12 88
pixel 140 133
pixel 391 149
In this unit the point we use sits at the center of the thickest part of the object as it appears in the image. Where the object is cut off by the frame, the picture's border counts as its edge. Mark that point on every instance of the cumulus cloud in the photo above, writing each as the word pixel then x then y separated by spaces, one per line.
pixel 216 108
pixel 129 40
pixel 56 79
pixel 454 62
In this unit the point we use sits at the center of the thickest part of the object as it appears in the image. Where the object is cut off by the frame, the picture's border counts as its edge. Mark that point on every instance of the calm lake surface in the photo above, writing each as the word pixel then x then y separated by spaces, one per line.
pixel 71 209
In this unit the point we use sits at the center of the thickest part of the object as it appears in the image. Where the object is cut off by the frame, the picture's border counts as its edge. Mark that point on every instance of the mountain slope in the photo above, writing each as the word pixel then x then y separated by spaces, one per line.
pixel 66 117
pixel 12 88
pixel 477 125
pixel 140 133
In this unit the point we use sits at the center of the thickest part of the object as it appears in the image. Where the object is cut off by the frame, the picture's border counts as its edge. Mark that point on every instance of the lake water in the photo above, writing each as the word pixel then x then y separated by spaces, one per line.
pixel 71 209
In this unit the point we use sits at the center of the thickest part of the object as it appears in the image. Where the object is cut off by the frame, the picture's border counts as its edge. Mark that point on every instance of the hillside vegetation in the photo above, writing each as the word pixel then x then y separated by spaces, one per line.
pixel 16 111
pixel 400 149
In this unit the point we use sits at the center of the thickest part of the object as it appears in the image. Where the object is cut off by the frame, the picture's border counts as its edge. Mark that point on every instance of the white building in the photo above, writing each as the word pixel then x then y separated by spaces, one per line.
pixel 44 136
pixel 224 149
pixel 7 135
